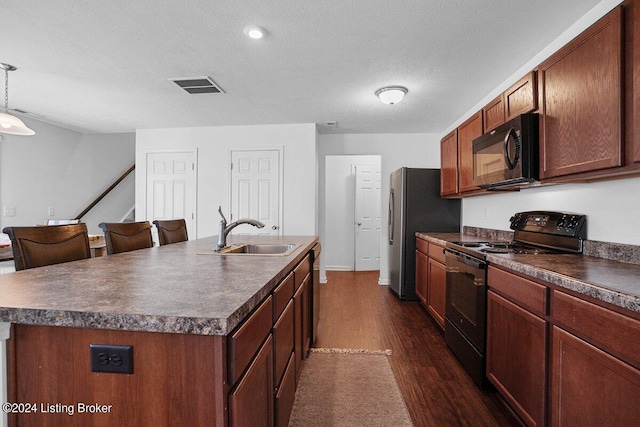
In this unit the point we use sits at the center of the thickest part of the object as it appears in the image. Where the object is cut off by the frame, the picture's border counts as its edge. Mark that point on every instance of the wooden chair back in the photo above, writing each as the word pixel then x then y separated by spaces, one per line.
pixel 126 236
pixel 171 231
pixel 46 245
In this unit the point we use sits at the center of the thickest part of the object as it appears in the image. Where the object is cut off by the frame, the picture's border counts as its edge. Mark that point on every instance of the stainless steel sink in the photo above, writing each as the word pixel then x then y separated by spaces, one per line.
pixel 281 249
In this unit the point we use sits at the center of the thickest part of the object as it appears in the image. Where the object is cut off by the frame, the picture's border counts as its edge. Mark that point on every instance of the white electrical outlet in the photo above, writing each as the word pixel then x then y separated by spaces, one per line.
pixel 9 211
pixel 52 211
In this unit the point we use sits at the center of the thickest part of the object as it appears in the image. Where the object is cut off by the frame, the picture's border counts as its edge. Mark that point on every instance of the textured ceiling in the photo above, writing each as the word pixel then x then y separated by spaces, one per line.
pixel 103 66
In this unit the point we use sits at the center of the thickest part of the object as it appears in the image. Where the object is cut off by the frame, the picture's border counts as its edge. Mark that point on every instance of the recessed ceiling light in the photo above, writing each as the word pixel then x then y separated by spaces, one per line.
pixel 255 32
pixel 391 94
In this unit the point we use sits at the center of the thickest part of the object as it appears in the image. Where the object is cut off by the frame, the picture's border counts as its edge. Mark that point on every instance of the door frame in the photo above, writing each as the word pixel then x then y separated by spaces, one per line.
pixel 280 150
pixel 194 151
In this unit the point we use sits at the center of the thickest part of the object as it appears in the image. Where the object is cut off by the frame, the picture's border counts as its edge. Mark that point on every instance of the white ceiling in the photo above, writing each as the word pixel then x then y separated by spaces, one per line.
pixel 103 66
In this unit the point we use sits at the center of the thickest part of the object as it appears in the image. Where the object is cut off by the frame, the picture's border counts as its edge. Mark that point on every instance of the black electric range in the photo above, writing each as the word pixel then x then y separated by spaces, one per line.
pixel 535 232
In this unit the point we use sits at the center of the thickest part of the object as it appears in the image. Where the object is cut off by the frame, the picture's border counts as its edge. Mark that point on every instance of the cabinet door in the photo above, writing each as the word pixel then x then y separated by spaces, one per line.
pixel 516 357
pixel 301 323
pixel 449 164
pixel 306 316
pixel 590 387
pixel 437 291
pixel 521 97
pixel 283 337
pixel 251 403
pixel 581 102
pixel 493 114
pixel 467 132
pixel 286 394
pixel 422 269
pixel 632 73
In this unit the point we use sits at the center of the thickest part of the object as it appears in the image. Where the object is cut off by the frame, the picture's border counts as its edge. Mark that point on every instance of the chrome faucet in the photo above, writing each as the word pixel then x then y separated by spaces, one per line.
pixel 226 229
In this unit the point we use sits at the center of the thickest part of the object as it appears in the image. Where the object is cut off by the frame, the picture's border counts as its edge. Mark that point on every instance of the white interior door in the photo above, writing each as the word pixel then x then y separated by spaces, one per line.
pixel 255 190
pixel 171 187
pixel 368 204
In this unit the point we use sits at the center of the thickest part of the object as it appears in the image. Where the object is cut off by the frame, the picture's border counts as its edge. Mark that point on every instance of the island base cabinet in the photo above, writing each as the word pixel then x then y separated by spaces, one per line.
pixel 251 402
pixel 176 380
pixel 591 387
pixel 286 394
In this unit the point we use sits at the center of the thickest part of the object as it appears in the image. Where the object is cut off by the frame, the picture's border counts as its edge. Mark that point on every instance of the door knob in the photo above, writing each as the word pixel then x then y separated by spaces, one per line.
pixel 359 223
pixel 275 227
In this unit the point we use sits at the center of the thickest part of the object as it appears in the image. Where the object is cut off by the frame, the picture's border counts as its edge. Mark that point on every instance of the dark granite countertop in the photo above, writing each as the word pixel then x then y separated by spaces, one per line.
pixel 177 288
pixel 608 280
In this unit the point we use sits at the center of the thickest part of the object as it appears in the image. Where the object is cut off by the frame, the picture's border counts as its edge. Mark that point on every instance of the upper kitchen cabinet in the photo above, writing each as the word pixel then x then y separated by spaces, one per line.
pixel 520 98
pixel 493 114
pixel 467 132
pixel 449 164
pixel 456 157
pixel 581 102
pixel 632 82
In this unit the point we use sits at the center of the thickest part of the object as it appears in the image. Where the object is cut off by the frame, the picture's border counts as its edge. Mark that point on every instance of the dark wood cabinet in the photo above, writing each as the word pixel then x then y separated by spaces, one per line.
pixel 422 270
pixel 437 291
pixel 581 102
pixel 431 278
pixel 493 114
pixel 467 132
pixel 251 402
pixel 301 325
pixel 521 97
pixel 632 83
pixel 589 386
pixel 516 357
pixel 449 164
pixel 517 338
pixel 283 337
pixel 286 394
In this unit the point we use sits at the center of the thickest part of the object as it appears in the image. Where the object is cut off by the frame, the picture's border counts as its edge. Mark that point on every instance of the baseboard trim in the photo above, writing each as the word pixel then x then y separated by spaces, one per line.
pixel 339 268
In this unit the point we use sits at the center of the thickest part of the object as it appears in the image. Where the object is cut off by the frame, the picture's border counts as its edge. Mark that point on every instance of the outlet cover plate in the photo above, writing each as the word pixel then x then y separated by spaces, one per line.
pixel 116 359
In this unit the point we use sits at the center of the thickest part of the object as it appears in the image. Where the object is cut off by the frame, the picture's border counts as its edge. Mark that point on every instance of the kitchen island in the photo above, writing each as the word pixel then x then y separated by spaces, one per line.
pixel 202 327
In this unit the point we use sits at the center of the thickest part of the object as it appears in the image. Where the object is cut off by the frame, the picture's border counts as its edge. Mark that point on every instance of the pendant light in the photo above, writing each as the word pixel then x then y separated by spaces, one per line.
pixel 9 124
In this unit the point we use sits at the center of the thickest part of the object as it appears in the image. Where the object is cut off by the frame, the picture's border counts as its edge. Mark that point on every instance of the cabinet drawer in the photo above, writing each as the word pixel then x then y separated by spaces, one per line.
pixel 301 270
pixel 436 252
pixel 281 296
pixel 283 341
pixel 604 328
pixel 525 292
pixel 246 340
pixel 422 246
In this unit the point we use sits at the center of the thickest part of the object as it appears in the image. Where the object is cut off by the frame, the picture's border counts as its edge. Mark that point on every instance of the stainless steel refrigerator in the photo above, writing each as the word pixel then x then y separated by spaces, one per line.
pixel 415 205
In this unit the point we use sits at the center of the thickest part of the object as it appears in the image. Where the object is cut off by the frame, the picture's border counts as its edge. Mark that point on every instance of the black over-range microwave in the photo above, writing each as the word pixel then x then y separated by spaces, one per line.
pixel 507 157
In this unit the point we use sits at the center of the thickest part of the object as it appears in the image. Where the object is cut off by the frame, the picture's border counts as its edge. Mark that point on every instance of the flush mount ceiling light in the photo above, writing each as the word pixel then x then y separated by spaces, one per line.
pixel 9 124
pixel 255 32
pixel 391 94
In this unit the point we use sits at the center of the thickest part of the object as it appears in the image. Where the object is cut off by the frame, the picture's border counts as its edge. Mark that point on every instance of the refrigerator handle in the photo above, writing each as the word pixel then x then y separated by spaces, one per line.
pixel 391 219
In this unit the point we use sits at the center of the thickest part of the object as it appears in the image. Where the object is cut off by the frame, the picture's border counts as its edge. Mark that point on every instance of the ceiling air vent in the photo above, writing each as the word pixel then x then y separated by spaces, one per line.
pixel 195 85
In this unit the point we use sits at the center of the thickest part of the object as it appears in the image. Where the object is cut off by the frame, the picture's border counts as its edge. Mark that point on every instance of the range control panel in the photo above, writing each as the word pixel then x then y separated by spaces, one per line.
pixel 556 223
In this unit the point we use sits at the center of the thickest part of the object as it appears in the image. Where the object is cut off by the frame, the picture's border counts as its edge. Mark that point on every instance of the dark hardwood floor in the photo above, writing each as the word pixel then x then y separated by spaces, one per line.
pixel 356 312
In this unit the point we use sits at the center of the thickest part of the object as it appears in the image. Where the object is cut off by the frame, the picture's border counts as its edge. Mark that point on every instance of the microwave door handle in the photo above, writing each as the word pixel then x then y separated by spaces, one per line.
pixel 512 158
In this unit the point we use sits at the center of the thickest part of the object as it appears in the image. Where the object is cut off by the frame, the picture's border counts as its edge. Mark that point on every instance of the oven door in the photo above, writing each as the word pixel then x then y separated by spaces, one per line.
pixel 467 296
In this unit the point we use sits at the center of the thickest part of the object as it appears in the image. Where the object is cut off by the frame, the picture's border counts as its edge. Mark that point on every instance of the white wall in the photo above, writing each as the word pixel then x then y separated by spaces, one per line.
pixel 612 207
pixel 65 170
pixel 396 150
pixel 213 182
pixel 339 211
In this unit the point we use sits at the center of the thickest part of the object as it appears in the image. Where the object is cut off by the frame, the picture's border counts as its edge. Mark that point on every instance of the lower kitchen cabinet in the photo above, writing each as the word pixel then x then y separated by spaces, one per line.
pixel 591 387
pixel 517 343
pixel 437 291
pixel 251 402
pixel 286 394
pixel 302 324
pixel 516 357
pixel 422 270
pixel 431 279
pixel 595 362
